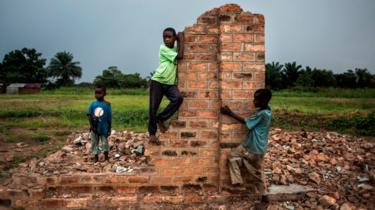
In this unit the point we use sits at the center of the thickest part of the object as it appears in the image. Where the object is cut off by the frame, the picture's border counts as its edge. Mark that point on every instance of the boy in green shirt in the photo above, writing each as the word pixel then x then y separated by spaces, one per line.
pixel 250 152
pixel 164 83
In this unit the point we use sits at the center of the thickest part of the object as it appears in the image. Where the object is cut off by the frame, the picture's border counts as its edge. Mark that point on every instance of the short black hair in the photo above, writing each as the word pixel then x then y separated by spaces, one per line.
pixel 101 86
pixel 263 94
pixel 171 30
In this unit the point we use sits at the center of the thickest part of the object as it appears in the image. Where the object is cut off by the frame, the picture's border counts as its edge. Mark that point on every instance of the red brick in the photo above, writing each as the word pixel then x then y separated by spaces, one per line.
pixel 226 38
pixel 243 37
pixel 170 171
pixel 242 94
pixel 259 38
pixel 198 124
pixel 206 76
pixel 191 171
pixel 207 94
pixel 212 29
pixel 182 179
pixel 242 75
pixel 228 66
pixel 197 84
pixel 187 113
pixel 138 179
pixel 124 200
pixel 198 48
pixel 178 143
pixel 226 94
pixel 253 67
pixel 125 189
pixel 195 29
pixel 198 104
pixel 207 114
pixel 254 47
pixel 207 20
pixel 228 28
pixel 227 127
pixel 77 203
pixel 243 56
pixel 230 8
pixel 212 67
pixel 190 38
pixel 244 17
pixel 160 180
pixel 260 56
pixel 215 105
pixel 68 180
pixel 226 56
pixel 197 66
pixel 230 84
pixel 204 135
pixel 191 75
pixel 213 84
pixel 207 39
pixel 231 47
pixel 208 153
pixel 160 162
pixel 260 76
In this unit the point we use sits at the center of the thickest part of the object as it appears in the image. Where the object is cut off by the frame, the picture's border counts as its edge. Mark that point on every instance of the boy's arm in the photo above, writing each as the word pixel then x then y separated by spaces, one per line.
pixel 109 119
pixel 180 45
pixel 227 111
pixel 92 128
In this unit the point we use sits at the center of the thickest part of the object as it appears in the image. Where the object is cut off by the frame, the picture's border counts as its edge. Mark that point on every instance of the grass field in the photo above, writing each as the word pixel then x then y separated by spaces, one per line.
pixel 45 120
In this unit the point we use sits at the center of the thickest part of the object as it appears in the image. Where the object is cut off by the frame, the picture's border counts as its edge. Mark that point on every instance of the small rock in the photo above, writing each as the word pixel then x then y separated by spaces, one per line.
pixel 347 206
pixel 327 200
pixel 67 149
pixel 314 177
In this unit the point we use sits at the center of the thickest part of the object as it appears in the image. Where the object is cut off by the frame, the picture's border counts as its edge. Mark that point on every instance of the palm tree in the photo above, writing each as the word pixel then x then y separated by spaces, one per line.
pixel 273 75
pixel 290 73
pixel 64 69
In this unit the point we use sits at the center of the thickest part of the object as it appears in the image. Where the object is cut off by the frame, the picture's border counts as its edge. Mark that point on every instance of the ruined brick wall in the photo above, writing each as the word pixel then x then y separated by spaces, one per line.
pixel 223 65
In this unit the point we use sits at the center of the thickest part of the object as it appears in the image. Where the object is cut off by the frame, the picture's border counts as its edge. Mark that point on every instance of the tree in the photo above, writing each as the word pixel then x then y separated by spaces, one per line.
pixel 273 75
pixel 346 79
pixel 305 78
pixel 291 73
pixel 363 78
pixel 323 78
pixel 23 66
pixel 63 69
pixel 111 77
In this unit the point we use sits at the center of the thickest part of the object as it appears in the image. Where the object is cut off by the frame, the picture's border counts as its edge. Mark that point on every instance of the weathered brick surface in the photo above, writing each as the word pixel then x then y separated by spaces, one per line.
pixel 224 65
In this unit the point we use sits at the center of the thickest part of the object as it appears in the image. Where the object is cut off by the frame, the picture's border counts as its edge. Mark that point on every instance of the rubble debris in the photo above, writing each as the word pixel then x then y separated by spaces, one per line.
pixel 340 167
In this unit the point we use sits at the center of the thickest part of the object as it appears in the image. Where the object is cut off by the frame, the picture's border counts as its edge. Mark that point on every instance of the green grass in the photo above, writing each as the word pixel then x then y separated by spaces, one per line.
pixel 327 92
pixel 65 108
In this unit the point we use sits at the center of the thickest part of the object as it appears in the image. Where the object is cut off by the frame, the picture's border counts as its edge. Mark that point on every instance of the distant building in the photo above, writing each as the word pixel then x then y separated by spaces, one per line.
pixel 23 88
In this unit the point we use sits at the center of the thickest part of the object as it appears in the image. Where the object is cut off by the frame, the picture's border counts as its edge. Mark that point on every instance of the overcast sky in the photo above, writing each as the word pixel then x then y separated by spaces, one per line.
pixel 331 34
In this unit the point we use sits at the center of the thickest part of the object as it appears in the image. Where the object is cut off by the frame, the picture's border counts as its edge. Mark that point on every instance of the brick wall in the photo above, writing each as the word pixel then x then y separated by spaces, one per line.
pixel 223 65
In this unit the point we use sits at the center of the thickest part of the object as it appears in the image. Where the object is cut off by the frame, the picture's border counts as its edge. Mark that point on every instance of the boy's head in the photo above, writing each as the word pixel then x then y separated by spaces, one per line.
pixel 100 91
pixel 262 97
pixel 169 37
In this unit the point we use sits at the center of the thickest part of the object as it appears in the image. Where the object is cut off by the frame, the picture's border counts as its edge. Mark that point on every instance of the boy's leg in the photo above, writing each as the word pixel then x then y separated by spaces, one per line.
pixel 234 163
pixel 156 95
pixel 104 146
pixel 94 145
pixel 175 101
pixel 253 165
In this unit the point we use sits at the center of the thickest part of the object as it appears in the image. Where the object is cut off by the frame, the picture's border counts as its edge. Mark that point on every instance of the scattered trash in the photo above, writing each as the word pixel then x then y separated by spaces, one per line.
pixel 121 169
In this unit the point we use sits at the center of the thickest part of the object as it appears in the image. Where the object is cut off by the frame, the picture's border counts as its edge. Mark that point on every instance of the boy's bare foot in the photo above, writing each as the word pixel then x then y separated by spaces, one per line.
pixel 162 126
pixel 154 140
pixel 106 158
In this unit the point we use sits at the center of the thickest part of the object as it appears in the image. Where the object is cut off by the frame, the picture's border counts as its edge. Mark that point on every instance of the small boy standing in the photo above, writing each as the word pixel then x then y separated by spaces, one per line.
pixel 251 151
pixel 164 83
pixel 100 118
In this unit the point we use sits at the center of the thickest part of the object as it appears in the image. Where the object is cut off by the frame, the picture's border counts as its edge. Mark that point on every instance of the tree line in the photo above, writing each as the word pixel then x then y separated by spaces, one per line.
pixel 289 75
pixel 28 66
